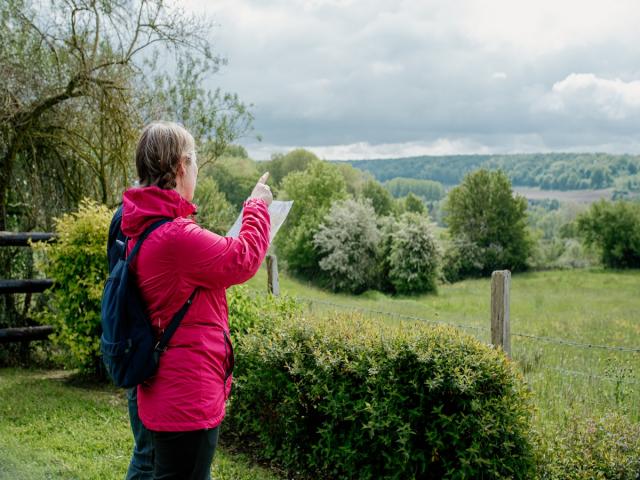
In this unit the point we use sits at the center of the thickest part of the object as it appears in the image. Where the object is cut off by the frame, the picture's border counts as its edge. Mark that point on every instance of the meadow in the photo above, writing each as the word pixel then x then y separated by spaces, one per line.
pixel 54 427
pixel 573 314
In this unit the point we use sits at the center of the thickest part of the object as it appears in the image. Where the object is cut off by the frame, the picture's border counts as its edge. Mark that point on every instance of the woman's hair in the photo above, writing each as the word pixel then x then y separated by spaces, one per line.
pixel 161 147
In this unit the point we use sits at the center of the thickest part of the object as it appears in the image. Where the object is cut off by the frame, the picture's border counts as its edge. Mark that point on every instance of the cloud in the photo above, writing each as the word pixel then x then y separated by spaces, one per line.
pixel 368 73
pixel 586 95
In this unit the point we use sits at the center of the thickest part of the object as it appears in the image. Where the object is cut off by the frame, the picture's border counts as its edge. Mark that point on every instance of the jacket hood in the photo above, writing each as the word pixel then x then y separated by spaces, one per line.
pixel 141 206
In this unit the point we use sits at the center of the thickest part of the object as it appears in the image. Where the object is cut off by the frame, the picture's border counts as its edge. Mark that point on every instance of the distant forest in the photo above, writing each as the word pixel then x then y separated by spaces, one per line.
pixel 552 171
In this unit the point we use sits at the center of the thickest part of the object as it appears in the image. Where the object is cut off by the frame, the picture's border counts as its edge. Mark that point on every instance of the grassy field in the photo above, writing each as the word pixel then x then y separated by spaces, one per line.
pixel 594 307
pixel 53 428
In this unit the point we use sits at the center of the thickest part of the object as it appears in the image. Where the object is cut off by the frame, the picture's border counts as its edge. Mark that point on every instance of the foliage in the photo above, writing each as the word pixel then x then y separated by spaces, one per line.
pixel 75 94
pixel 354 179
pixel 414 256
pixel 413 204
pixel 77 263
pixel 381 200
pixel 587 448
pixel 560 171
pixel 313 191
pixel 464 258
pixel 348 241
pixel 214 211
pixel 248 311
pixel 282 165
pixel 235 184
pixel 488 226
pixel 614 229
pixel 345 398
pixel 429 190
pixel 214 118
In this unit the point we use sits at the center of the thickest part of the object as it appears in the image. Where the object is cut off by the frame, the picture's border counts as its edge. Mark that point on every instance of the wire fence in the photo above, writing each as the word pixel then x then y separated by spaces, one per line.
pixel 537 338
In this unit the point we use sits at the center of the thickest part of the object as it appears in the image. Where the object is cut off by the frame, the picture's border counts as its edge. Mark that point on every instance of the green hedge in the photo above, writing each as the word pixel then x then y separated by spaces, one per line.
pixel 344 398
pixel 78 264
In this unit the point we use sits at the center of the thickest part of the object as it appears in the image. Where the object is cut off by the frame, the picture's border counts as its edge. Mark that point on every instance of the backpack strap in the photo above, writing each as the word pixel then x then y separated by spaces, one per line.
pixel 161 346
pixel 143 237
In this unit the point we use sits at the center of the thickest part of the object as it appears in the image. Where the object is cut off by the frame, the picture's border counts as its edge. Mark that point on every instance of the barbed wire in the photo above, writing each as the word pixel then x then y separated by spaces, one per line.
pixel 563 371
pixel 388 313
pixel 563 341
pixel 579 373
pixel 560 341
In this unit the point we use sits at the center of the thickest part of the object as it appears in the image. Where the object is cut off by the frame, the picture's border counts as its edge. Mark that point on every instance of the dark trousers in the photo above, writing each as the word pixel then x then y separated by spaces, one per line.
pixel 184 455
pixel 141 465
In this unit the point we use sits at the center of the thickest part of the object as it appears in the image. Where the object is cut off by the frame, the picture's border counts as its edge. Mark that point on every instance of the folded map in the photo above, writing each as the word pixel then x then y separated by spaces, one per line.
pixel 278 210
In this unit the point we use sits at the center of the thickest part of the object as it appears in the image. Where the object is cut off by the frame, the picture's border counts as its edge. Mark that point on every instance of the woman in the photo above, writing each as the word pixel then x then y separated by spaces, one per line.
pixel 184 403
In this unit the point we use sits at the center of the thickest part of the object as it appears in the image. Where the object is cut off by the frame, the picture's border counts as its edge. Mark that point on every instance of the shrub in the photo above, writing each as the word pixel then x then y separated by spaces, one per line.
pixel 345 398
pixel 462 259
pixel 614 229
pixel 347 241
pixel 77 262
pixel 605 448
pixel 414 256
pixel 248 310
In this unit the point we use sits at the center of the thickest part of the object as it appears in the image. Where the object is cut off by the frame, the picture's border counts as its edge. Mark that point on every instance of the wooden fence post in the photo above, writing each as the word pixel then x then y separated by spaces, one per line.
pixel 273 286
pixel 500 327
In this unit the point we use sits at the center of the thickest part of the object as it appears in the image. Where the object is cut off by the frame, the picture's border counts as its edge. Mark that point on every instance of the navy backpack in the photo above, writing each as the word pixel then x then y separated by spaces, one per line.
pixel 128 345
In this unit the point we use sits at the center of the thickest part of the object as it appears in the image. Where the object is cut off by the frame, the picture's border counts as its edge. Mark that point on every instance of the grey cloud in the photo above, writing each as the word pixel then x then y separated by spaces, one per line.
pixel 329 73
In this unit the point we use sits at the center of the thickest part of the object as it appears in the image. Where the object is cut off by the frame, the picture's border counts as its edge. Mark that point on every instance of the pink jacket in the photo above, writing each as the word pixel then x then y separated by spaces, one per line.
pixel 189 389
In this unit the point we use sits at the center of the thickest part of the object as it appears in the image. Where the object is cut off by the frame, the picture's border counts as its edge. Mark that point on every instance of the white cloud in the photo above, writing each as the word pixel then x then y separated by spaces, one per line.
pixel 585 94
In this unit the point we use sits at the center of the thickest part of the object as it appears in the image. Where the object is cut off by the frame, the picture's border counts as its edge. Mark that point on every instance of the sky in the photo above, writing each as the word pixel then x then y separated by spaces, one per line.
pixel 352 79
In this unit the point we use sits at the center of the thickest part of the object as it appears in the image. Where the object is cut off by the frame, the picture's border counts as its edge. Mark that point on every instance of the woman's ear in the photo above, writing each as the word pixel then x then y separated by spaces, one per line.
pixel 182 168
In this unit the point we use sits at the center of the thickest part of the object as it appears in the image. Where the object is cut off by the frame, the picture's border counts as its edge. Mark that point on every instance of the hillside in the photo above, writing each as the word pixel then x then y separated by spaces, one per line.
pixel 557 171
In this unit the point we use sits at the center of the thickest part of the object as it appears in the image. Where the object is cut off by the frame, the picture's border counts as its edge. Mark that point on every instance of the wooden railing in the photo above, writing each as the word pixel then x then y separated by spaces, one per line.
pixel 24 335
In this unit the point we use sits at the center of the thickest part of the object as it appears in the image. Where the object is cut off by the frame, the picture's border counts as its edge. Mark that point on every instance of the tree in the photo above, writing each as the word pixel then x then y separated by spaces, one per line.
pixel 614 229
pixel 313 191
pixel 214 211
pixel 427 189
pixel 413 203
pixel 380 198
pixel 214 118
pixel 354 178
pixel 74 97
pixel 347 241
pixel 295 161
pixel 483 214
pixel 70 57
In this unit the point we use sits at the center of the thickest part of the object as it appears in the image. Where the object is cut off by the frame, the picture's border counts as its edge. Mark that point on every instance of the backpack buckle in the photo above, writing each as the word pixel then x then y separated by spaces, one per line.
pixel 158 349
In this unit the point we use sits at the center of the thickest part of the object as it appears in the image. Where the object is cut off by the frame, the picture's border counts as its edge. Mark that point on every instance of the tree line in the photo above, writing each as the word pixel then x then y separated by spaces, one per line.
pixel 560 171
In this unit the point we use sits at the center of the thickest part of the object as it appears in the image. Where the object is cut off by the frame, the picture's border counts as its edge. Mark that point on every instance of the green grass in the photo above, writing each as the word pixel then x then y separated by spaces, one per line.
pixel 583 306
pixel 51 428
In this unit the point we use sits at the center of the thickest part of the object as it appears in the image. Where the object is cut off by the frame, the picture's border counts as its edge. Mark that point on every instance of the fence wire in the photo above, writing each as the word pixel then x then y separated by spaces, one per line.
pixel 553 340
pixel 560 341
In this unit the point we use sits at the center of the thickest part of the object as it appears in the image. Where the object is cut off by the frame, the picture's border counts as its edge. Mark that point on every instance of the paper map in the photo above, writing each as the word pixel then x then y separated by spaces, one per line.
pixel 278 211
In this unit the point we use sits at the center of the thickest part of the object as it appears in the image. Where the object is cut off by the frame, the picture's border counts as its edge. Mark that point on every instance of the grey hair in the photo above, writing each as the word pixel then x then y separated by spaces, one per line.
pixel 161 148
